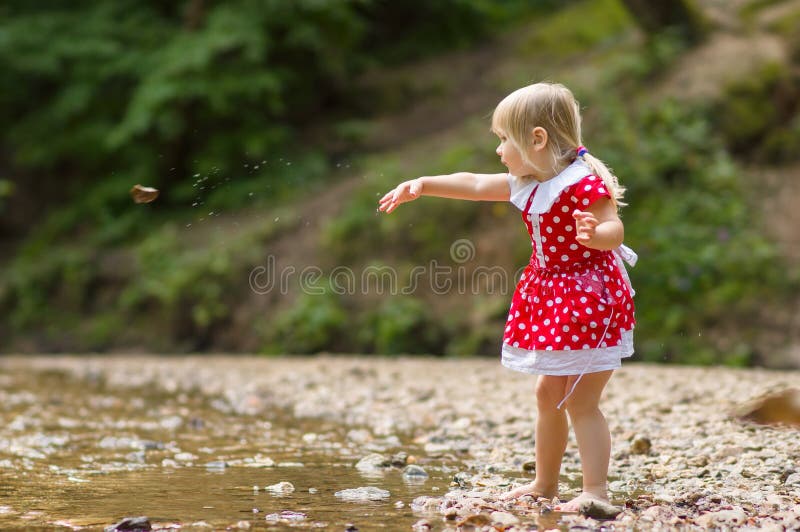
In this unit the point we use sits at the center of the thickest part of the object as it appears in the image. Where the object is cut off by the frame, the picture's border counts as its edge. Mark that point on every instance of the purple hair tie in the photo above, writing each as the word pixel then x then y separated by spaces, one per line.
pixel 581 150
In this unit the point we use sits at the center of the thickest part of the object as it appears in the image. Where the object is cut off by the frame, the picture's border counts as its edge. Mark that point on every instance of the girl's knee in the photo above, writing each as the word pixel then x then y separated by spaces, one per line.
pixel 549 391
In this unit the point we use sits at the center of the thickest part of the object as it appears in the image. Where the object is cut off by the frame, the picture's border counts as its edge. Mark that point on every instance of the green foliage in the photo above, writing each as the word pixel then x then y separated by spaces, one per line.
pixel 579 27
pixel 760 116
pixel 702 259
pixel 400 325
pixel 316 322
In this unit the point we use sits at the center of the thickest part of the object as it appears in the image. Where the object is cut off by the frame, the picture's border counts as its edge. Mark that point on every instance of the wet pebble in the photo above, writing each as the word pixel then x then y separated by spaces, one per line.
pixel 369 493
pixel 281 488
pixel 131 524
pixel 414 471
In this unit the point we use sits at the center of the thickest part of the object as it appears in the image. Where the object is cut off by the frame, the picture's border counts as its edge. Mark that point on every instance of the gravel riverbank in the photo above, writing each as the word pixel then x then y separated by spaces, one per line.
pixel 681 455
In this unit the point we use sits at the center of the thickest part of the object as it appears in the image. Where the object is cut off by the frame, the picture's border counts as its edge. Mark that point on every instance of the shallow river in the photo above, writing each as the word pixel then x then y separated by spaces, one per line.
pixel 78 453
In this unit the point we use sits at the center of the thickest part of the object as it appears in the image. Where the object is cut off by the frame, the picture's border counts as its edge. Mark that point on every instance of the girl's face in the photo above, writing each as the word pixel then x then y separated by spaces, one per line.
pixel 510 156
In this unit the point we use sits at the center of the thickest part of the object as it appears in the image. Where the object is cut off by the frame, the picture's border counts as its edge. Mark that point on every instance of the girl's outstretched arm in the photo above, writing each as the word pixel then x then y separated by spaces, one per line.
pixel 461 185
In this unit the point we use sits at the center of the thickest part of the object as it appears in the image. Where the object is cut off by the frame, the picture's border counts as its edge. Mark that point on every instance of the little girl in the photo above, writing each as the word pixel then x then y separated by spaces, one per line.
pixel 572 315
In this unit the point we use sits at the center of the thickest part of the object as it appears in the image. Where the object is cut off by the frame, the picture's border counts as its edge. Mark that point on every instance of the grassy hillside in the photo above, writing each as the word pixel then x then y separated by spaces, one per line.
pixel 195 277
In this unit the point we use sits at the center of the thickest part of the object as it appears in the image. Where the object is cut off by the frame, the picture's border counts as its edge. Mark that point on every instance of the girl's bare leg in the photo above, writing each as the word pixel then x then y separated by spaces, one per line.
pixel 592 434
pixel 550 440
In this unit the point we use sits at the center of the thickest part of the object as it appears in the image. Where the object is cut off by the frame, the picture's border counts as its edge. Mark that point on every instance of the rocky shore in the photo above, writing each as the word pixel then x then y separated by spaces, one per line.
pixel 683 455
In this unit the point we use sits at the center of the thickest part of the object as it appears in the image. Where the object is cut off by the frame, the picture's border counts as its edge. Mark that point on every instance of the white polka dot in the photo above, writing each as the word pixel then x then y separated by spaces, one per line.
pixel 510 317
pixel 559 300
pixel 585 201
pixel 601 190
pixel 583 300
pixel 601 308
pixel 583 329
pixel 542 338
pixel 587 187
pixel 541 219
pixel 565 208
pixel 573 247
pixel 585 346
pixel 605 321
pixel 565 328
pixel 593 324
pixel 552 249
pixel 527 336
pixel 516 314
pixel 535 299
pixel 557 320
pixel 516 344
pixel 556 219
pixel 508 328
pixel 594 336
pixel 535 328
pixel 549 229
pixel 558 339
pixel 619 293
pixel 592 177
pixel 521 326
pixel 564 258
pixel 561 238
pixel 544 238
pixel 548 348
pixel 575 337
pixel 586 254
pixel 573 199
pixel 549 303
pixel 568 228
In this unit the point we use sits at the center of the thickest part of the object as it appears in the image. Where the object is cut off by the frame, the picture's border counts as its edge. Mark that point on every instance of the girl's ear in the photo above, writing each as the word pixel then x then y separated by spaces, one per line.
pixel 539 138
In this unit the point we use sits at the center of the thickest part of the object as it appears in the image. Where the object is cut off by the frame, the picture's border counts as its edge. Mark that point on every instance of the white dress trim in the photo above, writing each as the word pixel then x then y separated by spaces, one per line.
pixel 548 191
pixel 572 362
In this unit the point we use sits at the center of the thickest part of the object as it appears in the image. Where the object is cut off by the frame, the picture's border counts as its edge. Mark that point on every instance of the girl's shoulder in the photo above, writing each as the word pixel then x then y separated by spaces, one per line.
pixel 586 191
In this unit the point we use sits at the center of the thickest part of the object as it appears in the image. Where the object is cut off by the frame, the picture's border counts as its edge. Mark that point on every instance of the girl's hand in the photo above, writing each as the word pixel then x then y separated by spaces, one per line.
pixel 585 226
pixel 406 191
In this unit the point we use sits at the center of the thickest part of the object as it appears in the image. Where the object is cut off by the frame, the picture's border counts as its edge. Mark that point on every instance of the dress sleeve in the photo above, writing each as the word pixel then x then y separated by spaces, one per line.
pixel 520 190
pixel 588 190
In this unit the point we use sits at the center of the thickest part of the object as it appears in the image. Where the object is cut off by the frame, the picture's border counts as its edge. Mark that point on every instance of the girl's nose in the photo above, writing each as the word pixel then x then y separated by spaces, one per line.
pixel 499 151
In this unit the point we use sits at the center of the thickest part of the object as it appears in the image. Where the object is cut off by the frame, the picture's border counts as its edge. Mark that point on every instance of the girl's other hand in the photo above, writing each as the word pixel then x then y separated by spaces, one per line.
pixel 406 191
pixel 585 226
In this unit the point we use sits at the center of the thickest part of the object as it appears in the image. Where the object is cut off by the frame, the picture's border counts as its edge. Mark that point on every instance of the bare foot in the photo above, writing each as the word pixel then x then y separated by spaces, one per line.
pixel 531 489
pixel 575 504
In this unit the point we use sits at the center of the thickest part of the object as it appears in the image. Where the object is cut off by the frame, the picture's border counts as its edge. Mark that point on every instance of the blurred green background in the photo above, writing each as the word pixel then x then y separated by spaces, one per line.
pixel 272 127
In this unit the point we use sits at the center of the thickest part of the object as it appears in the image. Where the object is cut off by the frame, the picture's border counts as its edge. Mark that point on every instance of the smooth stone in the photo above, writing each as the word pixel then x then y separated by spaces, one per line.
pixel 131 524
pixel 369 493
pixel 414 471
pixel 280 488
pixel 599 510
pixel 373 462
pixel 504 518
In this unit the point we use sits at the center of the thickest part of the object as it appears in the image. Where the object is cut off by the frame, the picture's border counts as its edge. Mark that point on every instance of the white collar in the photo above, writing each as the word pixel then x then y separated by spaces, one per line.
pixel 547 192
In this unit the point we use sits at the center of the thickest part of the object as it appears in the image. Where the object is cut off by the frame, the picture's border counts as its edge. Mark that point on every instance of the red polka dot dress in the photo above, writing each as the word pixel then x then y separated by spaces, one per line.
pixel 572 311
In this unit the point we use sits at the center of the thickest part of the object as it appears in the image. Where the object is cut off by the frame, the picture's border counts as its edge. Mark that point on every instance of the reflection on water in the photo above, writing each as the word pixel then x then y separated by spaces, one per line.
pixel 79 454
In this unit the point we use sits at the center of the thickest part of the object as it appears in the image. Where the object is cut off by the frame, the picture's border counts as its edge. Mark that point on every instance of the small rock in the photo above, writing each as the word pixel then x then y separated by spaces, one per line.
pixel 414 471
pixel 373 462
pixel 660 514
pixel 722 518
pixel 529 466
pixel 131 524
pixel 286 516
pixel 423 525
pixel 399 459
pixel 185 457
pixel 599 510
pixel 369 493
pixel 504 518
pixel 216 465
pixel 793 480
pixel 242 525
pixel 478 520
pixel 350 527
pixel 641 445
pixel 281 488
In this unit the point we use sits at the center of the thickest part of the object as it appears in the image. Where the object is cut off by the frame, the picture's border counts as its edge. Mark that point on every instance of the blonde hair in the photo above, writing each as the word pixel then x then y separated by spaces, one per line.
pixel 553 107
